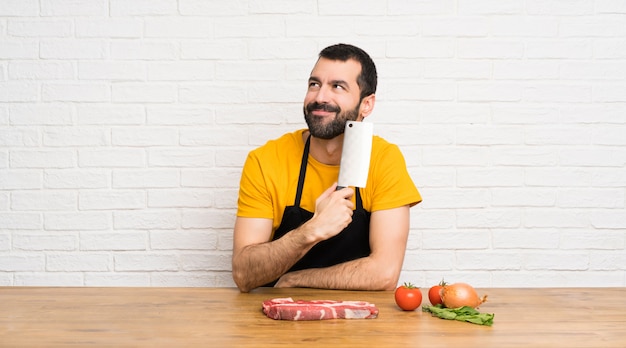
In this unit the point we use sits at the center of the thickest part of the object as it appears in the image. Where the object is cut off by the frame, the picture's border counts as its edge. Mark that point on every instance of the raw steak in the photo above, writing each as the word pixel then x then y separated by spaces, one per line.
pixel 288 309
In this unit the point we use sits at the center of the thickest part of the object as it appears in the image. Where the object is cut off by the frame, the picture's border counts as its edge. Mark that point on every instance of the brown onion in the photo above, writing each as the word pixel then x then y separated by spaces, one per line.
pixel 459 295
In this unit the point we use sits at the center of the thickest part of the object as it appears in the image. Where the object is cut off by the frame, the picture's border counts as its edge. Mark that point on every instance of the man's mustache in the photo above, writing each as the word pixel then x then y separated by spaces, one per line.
pixel 315 106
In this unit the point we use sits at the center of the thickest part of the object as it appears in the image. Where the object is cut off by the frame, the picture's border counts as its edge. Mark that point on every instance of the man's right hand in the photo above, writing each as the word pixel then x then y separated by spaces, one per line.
pixel 333 212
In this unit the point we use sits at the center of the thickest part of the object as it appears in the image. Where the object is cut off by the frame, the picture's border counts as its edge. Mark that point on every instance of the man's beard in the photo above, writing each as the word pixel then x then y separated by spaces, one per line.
pixel 333 128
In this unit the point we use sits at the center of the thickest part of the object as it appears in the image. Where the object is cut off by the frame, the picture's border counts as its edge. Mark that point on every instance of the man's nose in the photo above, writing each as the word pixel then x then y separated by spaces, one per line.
pixel 322 95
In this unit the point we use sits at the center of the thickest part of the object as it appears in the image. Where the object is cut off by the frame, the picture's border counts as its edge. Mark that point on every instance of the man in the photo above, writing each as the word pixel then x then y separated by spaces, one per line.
pixel 293 227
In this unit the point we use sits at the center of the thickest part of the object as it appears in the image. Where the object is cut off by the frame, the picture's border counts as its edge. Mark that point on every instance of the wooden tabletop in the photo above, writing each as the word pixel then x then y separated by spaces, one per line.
pixel 224 317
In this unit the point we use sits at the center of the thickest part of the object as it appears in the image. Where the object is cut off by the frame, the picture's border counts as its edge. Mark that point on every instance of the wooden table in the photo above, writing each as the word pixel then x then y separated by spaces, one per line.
pixel 223 317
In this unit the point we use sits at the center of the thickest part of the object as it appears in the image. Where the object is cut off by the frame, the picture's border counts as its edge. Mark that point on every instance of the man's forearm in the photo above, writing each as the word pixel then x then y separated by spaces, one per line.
pixel 259 264
pixel 360 274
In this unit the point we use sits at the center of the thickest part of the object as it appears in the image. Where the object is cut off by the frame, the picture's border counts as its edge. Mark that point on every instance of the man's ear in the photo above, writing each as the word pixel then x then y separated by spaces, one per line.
pixel 367 106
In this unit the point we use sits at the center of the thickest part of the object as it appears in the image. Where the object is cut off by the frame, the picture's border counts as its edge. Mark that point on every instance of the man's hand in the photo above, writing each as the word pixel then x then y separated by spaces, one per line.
pixel 333 212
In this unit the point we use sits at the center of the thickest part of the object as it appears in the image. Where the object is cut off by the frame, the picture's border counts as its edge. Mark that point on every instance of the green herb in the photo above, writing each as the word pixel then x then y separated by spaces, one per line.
pixel 464 313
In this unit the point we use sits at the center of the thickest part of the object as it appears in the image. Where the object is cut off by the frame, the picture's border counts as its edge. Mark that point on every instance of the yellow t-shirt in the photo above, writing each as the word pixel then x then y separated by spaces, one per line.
pixel 270 174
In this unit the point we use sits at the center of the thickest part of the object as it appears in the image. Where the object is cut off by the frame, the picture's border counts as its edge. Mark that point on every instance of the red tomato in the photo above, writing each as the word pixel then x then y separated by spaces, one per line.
pixel 408 297
pixel 434 293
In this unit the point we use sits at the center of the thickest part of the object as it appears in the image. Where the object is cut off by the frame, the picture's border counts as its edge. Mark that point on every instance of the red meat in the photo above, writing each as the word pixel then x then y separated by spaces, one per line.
pixel 288 309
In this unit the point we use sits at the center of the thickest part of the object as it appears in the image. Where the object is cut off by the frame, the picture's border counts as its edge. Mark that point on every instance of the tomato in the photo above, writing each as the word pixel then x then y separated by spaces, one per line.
pixel 408 297
pixel 434 293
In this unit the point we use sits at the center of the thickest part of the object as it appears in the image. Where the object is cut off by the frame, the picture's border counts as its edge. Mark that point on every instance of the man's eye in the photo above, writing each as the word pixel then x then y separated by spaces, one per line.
pixel 313 84
pixel 338 86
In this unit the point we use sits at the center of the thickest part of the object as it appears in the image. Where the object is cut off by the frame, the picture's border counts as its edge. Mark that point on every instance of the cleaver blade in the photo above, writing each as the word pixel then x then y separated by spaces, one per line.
pixel 355 154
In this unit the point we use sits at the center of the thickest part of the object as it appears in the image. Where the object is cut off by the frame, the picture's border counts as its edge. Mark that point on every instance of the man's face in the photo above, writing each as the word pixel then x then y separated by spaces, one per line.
pixel 333 97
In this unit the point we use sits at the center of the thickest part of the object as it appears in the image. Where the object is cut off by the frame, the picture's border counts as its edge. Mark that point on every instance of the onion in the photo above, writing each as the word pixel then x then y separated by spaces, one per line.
pixel 461 294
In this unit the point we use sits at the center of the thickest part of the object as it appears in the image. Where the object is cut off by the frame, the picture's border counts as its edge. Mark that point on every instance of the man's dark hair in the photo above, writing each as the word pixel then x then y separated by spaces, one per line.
pixel 367 79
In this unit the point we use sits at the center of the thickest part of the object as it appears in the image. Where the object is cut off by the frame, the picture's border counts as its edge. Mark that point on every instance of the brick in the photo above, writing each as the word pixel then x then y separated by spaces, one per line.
pixel 607 260
pixel 536 238
pixel 73 8
pixel 126 71
pixel 33 70
pixel 524 156
pixel 554 177
pixel 18 137
pixel 43 200
pixel 143 50
pixel 19 49
pixel 455 26
pixel 555 218
pixel 431 260
pixel 525 70
pixel 48 279
pixel 20 221
pixel 76 136
pixel 226 199
pixel 111 200
pixel 178 27
pixel 559 7
pixel 179 115
pixel 274 7
pixel 107 114
pixel 42 159
pixel 183 240
pixel 465 239
pixel 180 198
pixel 213 49
pixel 559 49
pixel 420 91
pixel 519 114
pixel 522 197
pixel 606 70
pixel 556 261
pixel 608 218
pixel 216 178
pixel 39 242
pixel 608 93
pixel 144 136
pixel 20 179
pixel 590 157
pixel 483 7
pixel 22 263
pixel 407 7
pixel 18 91
pixel 146 262
pixel 200 7
pixel 72 49
pixel 244 71
pixel 481 261
pixel 214 136
pixel 206 262
pixel 490 48
pixel 113 241
pixel 142 7
pixel 585 26
pixel 489 91
pixel 493 218
pixel 479 135
pixel 453 113
pixel 146 219
pixel 146 178
pixel 77 221
pixel 40 28
pixel 610 48
pixel 469 156
pixel 523 26
pixel 609 178
pixel 558 136
pixel 181 158
pixel 385 27
pixel 188 279
pixel 76 179
pixel 248 27
pixel 593 239
pixel 109 28
pixel 144 93
pixel 591 198
pixel 78 262
pixel 230 158
pixel 214 218
pixel 212 93
pixel 421 48
pixel 76 92
pixel 19 8
pixel 125 158
pixel 441 198
pixel 181 71
pixel 457 70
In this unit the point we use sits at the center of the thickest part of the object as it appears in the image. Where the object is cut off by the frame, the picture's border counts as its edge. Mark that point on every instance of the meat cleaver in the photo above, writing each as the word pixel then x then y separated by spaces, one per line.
pixel 355 154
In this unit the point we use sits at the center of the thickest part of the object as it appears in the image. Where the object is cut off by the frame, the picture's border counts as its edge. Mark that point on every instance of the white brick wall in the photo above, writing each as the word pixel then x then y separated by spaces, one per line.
pixel 124 126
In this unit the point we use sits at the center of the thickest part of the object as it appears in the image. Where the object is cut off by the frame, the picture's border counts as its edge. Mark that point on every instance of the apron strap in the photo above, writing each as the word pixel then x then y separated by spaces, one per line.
pixel 305 160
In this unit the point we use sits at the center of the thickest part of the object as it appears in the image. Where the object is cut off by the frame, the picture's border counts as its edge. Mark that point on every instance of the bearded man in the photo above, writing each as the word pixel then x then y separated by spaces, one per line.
pixel 294 228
